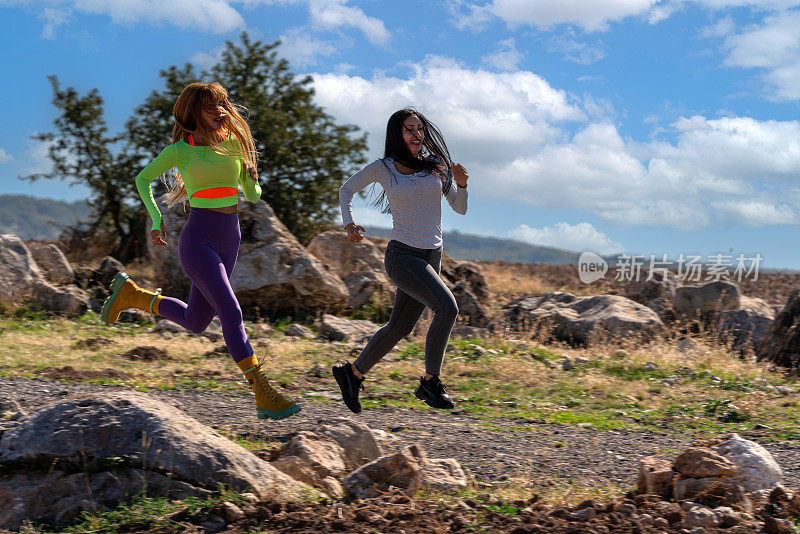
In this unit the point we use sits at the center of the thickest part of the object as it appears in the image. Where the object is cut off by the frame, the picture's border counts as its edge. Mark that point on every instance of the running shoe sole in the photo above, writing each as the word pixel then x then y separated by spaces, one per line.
pixel 283 414
pixel 116 287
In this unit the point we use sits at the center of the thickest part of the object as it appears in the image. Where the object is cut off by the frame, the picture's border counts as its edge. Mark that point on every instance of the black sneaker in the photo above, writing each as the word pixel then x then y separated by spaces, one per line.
pixel 433 393
pixel 349 383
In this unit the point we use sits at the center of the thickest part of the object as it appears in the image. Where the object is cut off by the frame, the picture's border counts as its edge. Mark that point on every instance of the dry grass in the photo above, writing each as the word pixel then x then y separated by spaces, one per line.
pixel 503 377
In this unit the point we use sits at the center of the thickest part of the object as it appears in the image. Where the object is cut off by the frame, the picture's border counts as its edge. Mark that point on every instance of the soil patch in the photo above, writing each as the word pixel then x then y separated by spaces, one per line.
pixel 93 343
pixel 146 354
pixel 70 373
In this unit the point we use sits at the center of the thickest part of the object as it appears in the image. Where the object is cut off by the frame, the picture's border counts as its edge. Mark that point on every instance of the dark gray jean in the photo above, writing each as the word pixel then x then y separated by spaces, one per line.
pixel 415 272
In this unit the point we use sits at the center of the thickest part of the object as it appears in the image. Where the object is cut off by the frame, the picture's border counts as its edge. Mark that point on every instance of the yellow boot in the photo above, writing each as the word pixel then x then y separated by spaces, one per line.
pixel 269 403
pixel 126 294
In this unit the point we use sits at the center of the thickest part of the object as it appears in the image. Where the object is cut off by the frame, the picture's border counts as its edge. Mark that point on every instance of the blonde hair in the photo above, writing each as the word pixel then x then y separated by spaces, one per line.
pixel 188 114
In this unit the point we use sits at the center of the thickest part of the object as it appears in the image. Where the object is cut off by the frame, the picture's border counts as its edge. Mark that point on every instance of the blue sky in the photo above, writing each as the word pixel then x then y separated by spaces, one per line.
pixel 636 126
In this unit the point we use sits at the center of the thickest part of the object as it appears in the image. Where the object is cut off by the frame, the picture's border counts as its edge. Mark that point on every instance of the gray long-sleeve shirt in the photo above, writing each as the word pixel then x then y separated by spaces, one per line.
pixel 414 199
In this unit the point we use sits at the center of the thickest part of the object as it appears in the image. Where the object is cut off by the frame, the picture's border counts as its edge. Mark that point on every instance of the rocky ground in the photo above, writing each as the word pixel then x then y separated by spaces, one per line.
pixel 499 454
pixel 493 453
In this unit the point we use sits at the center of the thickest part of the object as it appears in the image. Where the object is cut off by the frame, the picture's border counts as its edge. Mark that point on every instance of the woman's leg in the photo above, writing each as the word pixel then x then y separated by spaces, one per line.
pixel 418 285
pixel 211 285
pixel 194 316
pixel 420 280
pixel 406 311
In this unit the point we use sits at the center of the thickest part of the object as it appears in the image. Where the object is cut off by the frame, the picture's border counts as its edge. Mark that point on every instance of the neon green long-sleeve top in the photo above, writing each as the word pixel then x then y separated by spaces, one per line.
pixel 211 178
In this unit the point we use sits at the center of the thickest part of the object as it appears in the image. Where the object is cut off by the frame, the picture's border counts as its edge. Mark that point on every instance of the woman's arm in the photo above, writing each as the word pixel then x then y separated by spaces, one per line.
pixel 248 177
pixel 457 194
pixel 163 162
pixel 374 172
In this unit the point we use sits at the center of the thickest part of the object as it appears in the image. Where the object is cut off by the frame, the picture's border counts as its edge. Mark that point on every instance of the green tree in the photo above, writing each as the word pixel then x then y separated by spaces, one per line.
pixel 82 152
pixel 304 155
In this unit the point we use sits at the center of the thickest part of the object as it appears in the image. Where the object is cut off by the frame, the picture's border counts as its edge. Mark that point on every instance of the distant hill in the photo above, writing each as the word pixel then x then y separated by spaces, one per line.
pixel 481 248
pixel 37 218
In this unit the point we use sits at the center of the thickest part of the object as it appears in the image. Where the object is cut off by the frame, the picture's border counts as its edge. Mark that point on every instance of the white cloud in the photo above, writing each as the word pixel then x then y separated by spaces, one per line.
pixel 511 131
pixel 590 16
pixel 206 60
pixel 772 46
pixel 469 17
pixel 722 28
pixel 53 18
pixel 578 237
pixel 575 51
pixel 302 49
pixel 334 14
pixel 213 16
pixel 755 213
pixel 5 157
pixel 37 158
pixel 506 57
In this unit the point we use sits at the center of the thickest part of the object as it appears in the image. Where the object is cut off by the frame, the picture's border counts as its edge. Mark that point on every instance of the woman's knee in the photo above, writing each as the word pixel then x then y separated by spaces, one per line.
pixel 447 308
pixel 198 325
pixel 231 316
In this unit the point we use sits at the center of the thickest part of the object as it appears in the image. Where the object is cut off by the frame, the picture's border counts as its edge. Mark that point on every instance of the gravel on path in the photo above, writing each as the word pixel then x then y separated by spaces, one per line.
pixel 491 451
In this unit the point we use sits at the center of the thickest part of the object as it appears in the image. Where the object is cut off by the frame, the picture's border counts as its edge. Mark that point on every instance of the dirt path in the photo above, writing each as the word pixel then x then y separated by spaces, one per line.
pixel 546 454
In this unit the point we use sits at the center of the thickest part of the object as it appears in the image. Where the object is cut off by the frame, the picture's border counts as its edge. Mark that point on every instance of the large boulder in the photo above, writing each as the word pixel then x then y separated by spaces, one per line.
pixel 18 271
pixel 577 319
pixel 338 329
pixel 781 343
pixel 360 265
pixel 94 451
pixel 403 470
pixel 454 271
pixel 356 439
pixel 696 300
pixel 70 301
pixel 657 293
pixel 53 263
pixel 746 327
pixel 274 273
pixel 729 464
pixel 469 288
pixel 469 306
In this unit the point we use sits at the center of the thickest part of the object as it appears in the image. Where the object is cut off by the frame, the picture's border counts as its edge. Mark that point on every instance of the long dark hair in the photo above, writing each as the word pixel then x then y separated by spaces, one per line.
pixel 434 156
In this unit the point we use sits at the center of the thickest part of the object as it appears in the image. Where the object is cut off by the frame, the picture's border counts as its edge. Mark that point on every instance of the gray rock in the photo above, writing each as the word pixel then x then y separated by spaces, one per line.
pixel 472 332
pixel 360 265
pixel 699 299
pixel 53 263
pixel 403 470
pixel 781 343
pixel 357 440
pixel 298 330
pixel 443 474
pixel 122 432
pixel 18 271
pixel 70 301
pixel 700 516
pixel 577 319
pixel 339 329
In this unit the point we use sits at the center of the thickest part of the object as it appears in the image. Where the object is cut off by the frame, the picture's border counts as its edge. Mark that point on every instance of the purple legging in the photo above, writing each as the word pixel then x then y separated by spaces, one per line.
pixel 207 248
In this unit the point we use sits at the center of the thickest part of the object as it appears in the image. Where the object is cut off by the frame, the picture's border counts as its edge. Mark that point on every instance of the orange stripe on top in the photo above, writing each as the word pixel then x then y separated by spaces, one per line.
pixel 216 192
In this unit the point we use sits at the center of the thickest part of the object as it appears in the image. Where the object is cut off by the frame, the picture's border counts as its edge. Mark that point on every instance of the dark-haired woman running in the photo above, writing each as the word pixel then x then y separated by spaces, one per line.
pixel 415 172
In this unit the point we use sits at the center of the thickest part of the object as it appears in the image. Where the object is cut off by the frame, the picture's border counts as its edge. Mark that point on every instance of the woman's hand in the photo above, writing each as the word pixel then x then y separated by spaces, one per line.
pixel 159 236
pixel 250 169
pixel 460 174
pixel 354 232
